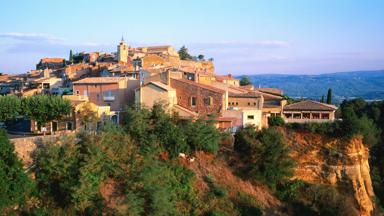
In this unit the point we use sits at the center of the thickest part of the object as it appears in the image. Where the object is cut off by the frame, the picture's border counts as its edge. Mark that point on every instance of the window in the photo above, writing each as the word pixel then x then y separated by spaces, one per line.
pixel 325 115
pixel 229 103
pixel 98 96
pixel 251 117
pixel 77 92
pixel 193 101
pixel 249 104
pixel 108 94
pixel 237 103
pixel 315 115
pixel 69 126
pixel 208 101
pixel 297 115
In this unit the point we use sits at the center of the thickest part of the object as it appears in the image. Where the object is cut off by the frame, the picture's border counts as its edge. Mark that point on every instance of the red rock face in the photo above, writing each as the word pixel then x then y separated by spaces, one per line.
pixel 186 91
pixel 336 162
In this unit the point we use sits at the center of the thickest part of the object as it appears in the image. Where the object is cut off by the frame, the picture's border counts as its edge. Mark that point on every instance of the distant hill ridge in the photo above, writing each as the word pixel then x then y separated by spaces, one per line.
pixel 366 84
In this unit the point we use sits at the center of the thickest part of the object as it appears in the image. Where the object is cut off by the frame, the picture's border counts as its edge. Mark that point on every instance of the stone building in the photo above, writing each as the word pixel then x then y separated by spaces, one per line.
pixel 309 111
pixel 115 92
pixel 199 98
pixel 50 63
pixel 156 92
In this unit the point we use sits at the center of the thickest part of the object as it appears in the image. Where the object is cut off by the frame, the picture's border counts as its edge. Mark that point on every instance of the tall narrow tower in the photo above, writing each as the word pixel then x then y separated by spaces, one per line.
pixel 122 51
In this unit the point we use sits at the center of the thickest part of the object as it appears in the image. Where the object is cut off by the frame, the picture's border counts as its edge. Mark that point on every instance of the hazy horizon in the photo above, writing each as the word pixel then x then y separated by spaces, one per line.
pixel 243 37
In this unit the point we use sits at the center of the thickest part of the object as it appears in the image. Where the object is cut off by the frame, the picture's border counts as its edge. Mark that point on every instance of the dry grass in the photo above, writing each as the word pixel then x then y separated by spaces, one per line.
pixel 207 164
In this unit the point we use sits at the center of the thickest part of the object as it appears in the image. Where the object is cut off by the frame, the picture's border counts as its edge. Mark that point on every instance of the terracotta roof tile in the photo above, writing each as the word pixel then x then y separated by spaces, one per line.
pixel 200 85
pixel 309 105
pixel 100 80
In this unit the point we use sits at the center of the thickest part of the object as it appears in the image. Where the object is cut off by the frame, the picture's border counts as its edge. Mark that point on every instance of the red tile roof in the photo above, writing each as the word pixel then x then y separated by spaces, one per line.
pixel 309 105
pixel 100 80
pixel 199 85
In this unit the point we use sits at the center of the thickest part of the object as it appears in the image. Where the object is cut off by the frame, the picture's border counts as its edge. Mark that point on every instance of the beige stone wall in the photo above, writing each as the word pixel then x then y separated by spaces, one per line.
pixel 152 60
pixel 252 117
pixel 25 146
pixel 150 94
pixel 245 102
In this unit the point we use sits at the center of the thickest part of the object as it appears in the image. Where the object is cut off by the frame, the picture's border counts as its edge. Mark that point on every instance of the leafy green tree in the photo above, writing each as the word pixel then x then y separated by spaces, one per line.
pixel 329 96
pixel 275 121
pixel 14 183
pixel 266 154
pixel 245 81
pixel 45 108
pixel 353 124
pixel 57 171
pixel 170 136
pixel 200 57
pixel 202 136
pixel 184 54
pixel 69 174
pixel 137 124
pixel 10 107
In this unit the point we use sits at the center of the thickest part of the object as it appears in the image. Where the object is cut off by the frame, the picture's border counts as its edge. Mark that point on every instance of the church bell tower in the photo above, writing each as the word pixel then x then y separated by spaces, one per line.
pixel 122 51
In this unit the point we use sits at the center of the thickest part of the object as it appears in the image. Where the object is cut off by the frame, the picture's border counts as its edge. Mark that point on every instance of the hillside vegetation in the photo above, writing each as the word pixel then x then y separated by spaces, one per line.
pixel 159 164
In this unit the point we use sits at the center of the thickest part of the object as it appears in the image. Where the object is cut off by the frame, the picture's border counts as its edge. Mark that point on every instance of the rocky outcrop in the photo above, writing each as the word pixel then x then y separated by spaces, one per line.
pixel 342 163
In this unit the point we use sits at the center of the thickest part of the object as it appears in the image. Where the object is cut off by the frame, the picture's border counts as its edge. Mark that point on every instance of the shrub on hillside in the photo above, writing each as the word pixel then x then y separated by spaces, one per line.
pixel 266 155
pixel 275 121
pixel 157 130
pixel 327 200
pixel 202 136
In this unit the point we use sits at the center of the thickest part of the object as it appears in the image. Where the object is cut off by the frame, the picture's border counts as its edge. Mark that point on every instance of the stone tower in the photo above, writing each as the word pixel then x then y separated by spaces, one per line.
pixel 122 51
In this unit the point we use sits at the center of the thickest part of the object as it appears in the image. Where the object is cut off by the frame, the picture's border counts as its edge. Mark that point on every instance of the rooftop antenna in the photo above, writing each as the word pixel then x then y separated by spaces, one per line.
pixel 122 38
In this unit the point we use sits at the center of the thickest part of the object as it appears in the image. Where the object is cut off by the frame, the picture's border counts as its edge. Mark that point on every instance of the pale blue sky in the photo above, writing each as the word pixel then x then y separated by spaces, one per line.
pixel 243 36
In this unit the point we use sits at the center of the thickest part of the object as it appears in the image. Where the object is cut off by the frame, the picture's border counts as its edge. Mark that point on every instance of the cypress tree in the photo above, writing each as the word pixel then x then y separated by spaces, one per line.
pixel 70 56
pixel 322 99
pixel 329 96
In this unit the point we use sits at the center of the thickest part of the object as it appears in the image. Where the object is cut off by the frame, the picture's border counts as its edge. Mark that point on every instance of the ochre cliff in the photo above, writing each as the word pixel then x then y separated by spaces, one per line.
pixel 342 163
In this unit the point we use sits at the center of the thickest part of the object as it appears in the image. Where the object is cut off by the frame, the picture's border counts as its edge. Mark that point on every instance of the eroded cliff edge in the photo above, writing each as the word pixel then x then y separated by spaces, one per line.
pixel 338 162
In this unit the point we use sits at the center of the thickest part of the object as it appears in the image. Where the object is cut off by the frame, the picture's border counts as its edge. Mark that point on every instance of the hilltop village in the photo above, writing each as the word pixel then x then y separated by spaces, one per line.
pixel 215 143
pixel 106 83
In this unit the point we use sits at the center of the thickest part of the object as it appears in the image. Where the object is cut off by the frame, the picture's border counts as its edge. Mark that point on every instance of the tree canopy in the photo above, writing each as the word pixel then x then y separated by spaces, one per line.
pixel 184 54
pixel 266 155
pixel 14 183
pixel 10 107
pixel 45 108
pixel 201 57
pixel 155 126
pixel 245 81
